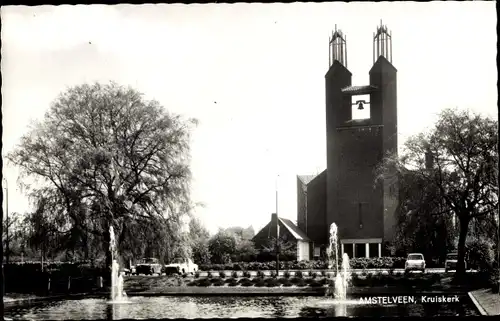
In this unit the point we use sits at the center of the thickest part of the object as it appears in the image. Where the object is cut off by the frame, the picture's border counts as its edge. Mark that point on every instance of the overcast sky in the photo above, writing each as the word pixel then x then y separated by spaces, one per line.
pixel 252 74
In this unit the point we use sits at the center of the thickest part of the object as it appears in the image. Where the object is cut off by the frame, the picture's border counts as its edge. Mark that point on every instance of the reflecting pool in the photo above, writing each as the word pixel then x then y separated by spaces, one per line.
pixel 227 307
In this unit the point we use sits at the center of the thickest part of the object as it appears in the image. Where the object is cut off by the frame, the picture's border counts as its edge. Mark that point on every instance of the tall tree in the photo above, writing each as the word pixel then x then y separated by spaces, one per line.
pixel 111 158
pixel 457 162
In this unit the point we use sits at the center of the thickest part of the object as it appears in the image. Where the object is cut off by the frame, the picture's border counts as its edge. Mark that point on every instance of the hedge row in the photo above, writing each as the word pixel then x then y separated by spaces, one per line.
pixel 364 281
pixel 356 263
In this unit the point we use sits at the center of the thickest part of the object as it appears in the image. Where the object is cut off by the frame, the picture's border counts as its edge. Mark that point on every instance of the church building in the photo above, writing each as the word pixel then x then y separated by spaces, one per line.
pixel 347 192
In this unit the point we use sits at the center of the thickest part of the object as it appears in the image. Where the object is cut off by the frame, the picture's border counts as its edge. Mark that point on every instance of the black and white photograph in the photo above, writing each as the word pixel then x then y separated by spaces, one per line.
pixel 250 160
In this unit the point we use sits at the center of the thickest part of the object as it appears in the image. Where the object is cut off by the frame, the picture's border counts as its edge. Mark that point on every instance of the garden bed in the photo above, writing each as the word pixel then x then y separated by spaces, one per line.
pixel 425 282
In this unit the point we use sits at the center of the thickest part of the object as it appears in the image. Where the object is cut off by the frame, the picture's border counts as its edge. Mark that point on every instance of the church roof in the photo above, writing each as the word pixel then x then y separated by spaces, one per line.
pixel 358 90
pixel 294 230
pixel 306 178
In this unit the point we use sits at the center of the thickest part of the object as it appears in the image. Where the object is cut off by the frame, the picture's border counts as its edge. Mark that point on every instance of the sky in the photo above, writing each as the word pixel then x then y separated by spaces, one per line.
pixel 253 76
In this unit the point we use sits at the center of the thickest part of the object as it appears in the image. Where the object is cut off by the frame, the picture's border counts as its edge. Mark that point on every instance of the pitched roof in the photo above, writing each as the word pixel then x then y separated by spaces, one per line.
pixel 294 230
pixel 305 179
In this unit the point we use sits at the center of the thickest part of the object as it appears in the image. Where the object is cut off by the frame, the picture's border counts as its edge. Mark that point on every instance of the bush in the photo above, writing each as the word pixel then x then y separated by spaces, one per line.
pixel 259 282
pixel 234 274
pixel 222 274
pixel 272 282
pixel 204 282
pixel 480 254
pixel 313 274
pixel 287 274
pixel 232 282
pixel 246 274
pixel 209 275
pixel 246 282
pixel 316 283
pixel 299 274
pixel 196 274
pixel 274 274
pixel 260 274
pixel 217 282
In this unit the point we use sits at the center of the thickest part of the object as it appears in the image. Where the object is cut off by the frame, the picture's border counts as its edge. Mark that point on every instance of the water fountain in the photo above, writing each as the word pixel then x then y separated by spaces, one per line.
pixel 118 295
pixel 342 277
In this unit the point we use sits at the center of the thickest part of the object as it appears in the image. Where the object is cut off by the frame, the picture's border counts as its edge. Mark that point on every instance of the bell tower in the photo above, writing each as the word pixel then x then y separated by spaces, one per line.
pixel 362 210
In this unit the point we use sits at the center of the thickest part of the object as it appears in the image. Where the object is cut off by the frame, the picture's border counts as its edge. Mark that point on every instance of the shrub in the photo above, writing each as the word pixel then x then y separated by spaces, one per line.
pixel 185 275
pixel 480 254
pixel 204 282
pixel 259 281
pixel 222 274
pixel 287 274
pixel 299 274
pixel 316 283
pixel 217 282
pixel 246 282
pixel 234 274
pixel 314 274
pixel 272 282
pixel 196 274
pixel 209 275
pixel 246 274
pixel 260 274
pixel 232 282
pixel 285 282
pixel 274 274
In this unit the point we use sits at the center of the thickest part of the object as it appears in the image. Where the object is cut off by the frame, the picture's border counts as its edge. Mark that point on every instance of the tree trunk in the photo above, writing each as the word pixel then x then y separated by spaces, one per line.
pixel 464 226
pixel 108 257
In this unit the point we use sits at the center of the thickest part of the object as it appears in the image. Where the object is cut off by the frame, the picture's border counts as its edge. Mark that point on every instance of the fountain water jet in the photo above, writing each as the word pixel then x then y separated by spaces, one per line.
pixel 118 295
pixel 342 277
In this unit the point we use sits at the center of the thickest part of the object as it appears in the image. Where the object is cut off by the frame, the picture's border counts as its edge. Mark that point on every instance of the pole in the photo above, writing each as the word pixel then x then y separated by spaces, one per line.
pixel 277 233
pixel 7 221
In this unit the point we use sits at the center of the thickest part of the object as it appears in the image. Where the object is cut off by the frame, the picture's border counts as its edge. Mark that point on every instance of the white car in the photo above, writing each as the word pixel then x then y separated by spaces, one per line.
pixel 181 266
pixel 415 261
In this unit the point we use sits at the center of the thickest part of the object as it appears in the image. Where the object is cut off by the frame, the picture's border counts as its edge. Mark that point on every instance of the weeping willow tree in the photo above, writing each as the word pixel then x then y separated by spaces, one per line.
pixel 104 156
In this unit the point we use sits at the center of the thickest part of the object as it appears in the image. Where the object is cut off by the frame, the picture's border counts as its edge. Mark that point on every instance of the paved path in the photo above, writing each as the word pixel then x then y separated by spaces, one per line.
pixel 487 303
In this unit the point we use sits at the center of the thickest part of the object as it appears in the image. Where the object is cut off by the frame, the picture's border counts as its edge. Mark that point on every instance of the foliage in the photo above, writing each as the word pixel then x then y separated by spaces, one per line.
pixel 455 165
pixel 201 252
pixel 287 250
pixel 355 263
pixel 103 156
pixel 480 254
pixel 222 246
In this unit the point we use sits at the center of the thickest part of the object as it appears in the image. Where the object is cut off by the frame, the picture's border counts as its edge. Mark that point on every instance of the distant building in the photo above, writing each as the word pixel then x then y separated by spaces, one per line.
pixel 288 232
pixel 347 192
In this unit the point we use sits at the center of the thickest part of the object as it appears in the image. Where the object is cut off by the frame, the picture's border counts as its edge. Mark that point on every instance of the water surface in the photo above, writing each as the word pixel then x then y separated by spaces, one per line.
pixel 226 307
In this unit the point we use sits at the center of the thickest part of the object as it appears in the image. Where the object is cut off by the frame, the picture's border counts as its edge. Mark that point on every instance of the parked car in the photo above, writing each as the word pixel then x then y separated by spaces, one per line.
pixel 180 266
pixel 451 262
pixel 149 266
pixel 415 261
